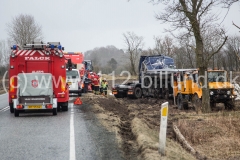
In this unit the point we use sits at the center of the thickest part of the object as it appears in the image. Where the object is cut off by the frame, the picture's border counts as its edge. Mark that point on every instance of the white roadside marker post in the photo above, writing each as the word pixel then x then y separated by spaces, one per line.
pixel 163 128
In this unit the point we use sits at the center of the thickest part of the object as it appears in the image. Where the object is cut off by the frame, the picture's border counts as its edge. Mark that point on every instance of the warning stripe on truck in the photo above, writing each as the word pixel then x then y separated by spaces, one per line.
pixel 27 52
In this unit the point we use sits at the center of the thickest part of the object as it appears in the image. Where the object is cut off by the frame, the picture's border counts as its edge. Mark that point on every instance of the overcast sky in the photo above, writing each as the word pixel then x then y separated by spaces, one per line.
pixel 82 25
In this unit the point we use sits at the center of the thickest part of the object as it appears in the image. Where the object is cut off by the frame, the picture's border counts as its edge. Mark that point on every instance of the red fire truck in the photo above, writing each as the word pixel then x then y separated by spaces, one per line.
pixel 37 78
pixel 77 62
pixel 75 70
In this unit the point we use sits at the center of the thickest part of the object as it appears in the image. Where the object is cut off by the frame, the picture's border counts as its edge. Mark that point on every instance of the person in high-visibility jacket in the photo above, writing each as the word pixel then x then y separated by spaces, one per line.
pixel 104 86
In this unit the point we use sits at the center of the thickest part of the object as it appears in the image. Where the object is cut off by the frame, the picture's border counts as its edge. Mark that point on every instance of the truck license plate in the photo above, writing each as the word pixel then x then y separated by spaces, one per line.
pixel 130 92
pixel 34 107
pixel 69 83
pixel 114 92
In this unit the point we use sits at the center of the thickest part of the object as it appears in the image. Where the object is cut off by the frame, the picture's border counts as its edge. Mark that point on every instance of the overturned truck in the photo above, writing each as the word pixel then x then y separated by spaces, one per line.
pixel 154 79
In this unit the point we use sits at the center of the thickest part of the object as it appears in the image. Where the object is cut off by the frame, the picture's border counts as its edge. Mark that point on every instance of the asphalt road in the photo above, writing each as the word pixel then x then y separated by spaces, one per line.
pixel 4 101
pixel 73 135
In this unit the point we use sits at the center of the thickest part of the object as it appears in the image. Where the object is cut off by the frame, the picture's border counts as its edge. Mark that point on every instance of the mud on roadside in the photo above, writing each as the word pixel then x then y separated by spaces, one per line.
pixel 136 124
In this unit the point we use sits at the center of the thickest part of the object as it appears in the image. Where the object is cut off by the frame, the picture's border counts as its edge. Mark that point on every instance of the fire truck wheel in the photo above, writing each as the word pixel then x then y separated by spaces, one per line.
pixel 58 107
pixel 16 113
pixel 65 106
pixel 11 107
pixel 138 92
pixel 54 111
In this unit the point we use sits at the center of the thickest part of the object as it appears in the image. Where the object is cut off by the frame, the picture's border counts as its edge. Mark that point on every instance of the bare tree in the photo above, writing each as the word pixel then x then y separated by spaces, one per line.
pixel 228 3
pixel 232 50
pixel 23 29
pixel 186 48
pixel 213 39
pixel 4 56
pixel 4 52
pixel 164 45
pixel 236 25
pixel 134 45
pixel 193 17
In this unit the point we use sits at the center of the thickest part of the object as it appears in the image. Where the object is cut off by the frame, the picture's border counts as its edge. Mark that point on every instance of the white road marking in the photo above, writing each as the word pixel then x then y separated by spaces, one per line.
pixel 4 109
pixel 72 155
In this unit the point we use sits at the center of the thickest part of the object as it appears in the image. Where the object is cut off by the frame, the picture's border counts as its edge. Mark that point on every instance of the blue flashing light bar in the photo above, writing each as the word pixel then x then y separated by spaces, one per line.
pixel 59 47
pixel 52 46
pixel 14 47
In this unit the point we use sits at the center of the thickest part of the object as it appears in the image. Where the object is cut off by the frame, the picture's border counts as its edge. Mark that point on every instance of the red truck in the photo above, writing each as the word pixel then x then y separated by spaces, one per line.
pixel 37 78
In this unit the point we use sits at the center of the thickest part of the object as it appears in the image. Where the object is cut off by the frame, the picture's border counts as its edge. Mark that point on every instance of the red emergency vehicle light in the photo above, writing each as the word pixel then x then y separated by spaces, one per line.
pixel 49 106
pixel 19 106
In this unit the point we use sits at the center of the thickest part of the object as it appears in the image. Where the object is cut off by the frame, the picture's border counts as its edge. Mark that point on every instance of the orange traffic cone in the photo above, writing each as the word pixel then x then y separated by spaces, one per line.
pixel 78 101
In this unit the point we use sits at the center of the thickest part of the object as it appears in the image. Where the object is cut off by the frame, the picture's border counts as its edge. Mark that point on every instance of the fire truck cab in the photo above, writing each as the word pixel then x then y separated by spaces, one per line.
pixel 27 68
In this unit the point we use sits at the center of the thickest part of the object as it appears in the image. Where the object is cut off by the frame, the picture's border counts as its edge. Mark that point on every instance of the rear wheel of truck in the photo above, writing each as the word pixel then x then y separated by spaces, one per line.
pixel 137 92
pixel 16 113
pixel 181 103
pixel 11 108
pixel 116 96
pixel 65 106
pixel 58 106
pixel 54 111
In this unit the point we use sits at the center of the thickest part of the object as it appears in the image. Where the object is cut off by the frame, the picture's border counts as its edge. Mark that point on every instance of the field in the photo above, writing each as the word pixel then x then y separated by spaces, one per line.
pixel 136 124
